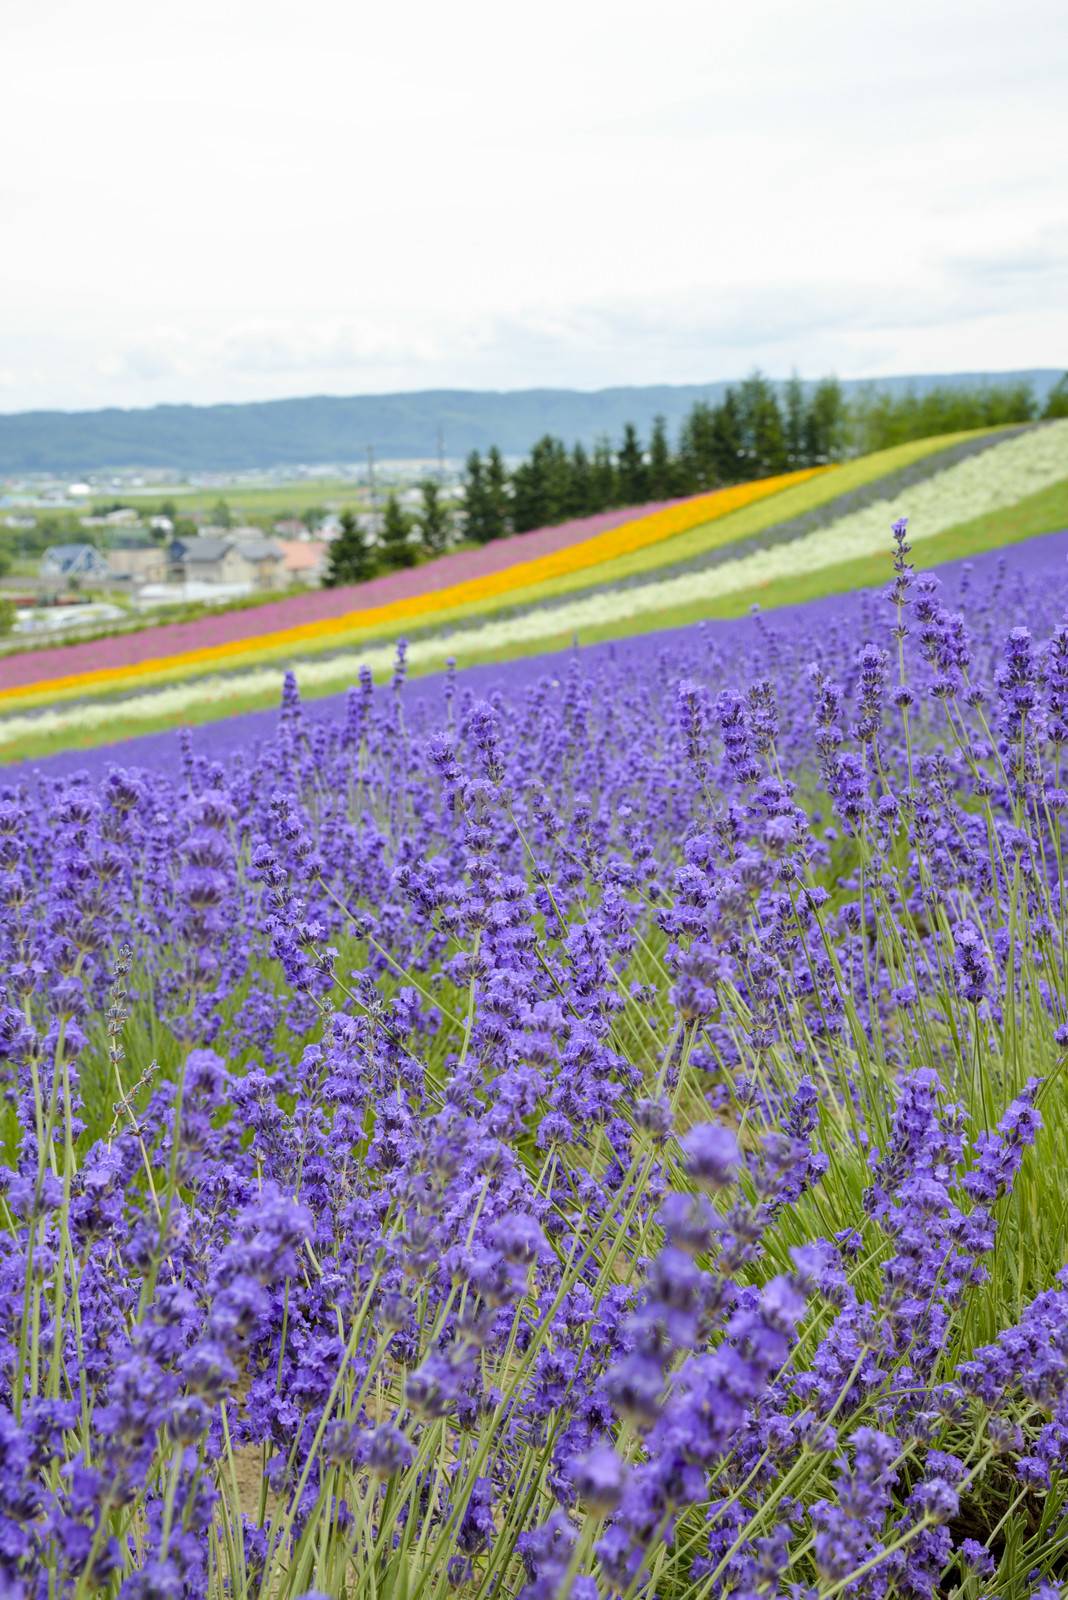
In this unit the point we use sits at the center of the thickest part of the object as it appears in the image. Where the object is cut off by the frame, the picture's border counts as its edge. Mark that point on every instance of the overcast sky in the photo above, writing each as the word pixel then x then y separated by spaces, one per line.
pixel 220 200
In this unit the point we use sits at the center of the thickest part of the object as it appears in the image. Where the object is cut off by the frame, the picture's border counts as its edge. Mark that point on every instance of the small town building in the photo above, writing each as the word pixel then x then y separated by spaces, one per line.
pixel 264 555
pixel 137 561
pixel 303 560
pixel 252 560
pixel 69 563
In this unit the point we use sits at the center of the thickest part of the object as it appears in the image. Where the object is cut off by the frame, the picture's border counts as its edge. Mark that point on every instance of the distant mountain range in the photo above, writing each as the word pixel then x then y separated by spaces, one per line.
pixel 324 429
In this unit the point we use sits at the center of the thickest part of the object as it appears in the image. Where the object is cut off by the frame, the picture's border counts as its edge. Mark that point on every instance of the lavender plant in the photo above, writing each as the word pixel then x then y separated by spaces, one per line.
pixel 599 1140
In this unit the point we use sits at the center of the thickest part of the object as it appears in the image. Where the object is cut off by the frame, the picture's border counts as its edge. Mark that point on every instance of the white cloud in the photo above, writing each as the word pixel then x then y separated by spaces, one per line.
pixel 260 199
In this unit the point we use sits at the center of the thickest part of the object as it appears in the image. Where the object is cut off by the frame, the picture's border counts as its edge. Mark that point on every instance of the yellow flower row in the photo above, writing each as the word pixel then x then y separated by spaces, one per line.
pixel 620 541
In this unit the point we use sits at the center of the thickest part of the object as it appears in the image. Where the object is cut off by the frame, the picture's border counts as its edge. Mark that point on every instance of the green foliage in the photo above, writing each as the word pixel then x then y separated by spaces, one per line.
pixel 31 543
pixel 659 474
pixel 541 486
pixel 582 493
pixel 477 519
pixel 7 617
pixel 794 420
pixel 433 520
pixel 633 481
pixel 351 559
pixel 760 424
pixel 604 484
pixel 878 419
pixel 395 542
pixel 221 515
pixel 498 494
pixel 826 426
pixel 1057 403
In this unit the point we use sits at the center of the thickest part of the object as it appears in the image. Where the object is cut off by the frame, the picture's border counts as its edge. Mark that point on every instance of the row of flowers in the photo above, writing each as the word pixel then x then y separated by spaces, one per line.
pixel 329 632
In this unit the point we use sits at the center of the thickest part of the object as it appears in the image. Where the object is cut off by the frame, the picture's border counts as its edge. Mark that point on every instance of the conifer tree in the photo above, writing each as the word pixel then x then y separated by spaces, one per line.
pixel 659 475
pixel 433 520
pixel 794 422
pixel 395 539
pixel 826 423
pixel 631 466
pixel 526 497
pixel 477 522
pixel 763 434
pixel 697 466
pixel 725 441
pixel 351 559
pixel 498 496
pixel 580 502
pixel 604 484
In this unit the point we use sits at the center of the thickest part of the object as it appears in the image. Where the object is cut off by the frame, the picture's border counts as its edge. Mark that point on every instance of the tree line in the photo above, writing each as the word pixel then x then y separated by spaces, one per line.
pixel 758 430
pixel 878 420
pixel 750 433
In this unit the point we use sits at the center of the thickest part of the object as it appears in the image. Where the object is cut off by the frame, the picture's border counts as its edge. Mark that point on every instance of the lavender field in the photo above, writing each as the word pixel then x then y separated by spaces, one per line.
pixel 587 1128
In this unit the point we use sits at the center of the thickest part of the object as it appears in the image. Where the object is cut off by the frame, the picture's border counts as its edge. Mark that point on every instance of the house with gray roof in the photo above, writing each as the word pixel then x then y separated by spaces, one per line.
pixel 226 558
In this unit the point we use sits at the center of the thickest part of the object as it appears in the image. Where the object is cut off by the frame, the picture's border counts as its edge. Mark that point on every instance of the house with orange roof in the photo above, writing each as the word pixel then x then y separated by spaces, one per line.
pixel 303 560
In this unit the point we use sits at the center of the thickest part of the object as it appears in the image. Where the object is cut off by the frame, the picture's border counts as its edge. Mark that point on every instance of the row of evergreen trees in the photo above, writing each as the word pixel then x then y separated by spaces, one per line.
pixel 751 433
pixel 757 430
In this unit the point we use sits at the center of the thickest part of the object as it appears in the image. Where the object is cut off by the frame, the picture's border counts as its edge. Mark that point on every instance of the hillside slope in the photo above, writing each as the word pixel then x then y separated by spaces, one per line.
pixel 328 428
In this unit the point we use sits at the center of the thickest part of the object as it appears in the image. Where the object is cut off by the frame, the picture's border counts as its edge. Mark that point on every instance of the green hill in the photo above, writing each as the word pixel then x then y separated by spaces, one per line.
pixel 330 429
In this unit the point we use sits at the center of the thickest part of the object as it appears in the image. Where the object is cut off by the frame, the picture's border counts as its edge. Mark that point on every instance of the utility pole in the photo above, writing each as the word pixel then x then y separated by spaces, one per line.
pixel 441 455
pixel 371 480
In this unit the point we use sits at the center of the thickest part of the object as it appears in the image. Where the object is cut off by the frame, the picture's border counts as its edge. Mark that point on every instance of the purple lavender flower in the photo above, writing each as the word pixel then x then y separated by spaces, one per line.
pixel 971 964
pixel 712 1155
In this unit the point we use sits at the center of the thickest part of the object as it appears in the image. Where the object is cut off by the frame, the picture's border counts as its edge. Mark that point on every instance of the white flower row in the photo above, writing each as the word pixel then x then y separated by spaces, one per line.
pixel 987 482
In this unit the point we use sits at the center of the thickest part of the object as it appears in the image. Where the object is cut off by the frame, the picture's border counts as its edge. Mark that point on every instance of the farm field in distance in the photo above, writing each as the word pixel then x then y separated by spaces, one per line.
pixel 254 502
